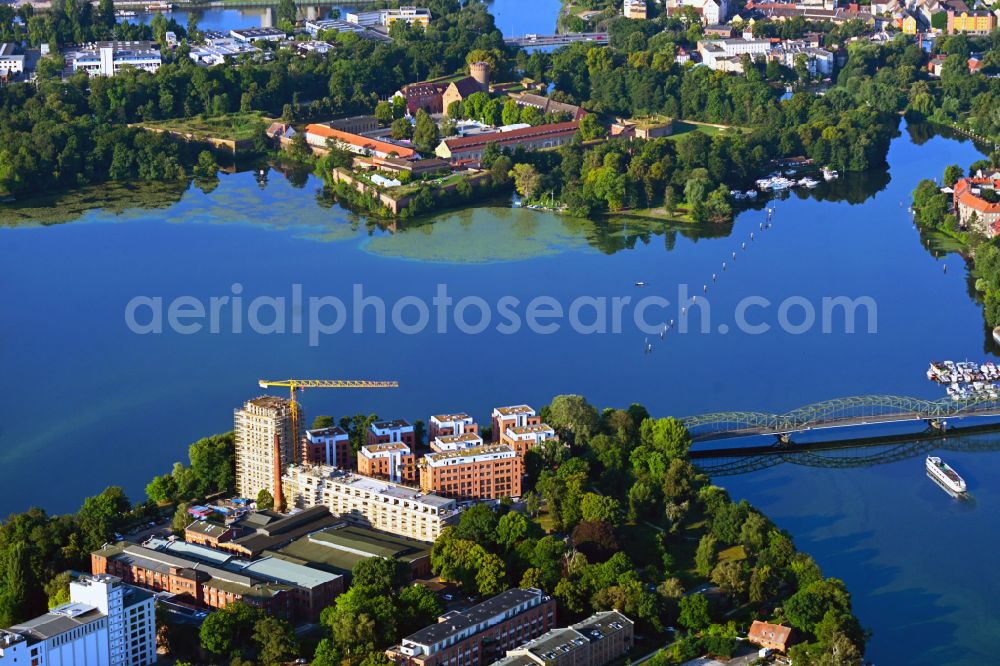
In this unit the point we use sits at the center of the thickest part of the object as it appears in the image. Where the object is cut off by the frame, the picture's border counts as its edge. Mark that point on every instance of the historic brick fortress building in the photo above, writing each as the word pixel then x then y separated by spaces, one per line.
pixel 460 465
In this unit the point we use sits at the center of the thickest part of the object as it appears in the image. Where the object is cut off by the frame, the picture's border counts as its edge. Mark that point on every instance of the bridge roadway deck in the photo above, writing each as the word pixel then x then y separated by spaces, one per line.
pixel 559 40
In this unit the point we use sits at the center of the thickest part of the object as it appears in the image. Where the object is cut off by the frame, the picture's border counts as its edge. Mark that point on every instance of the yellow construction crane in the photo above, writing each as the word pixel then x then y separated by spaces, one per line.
pixel 302 384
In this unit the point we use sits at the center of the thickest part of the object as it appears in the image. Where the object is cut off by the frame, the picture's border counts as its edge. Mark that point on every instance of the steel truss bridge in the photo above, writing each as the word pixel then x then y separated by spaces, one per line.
pixel 733 462
pixel 837 413
pixel 599 38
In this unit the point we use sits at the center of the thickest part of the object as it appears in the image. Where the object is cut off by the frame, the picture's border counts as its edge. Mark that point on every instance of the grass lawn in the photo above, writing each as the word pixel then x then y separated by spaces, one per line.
pixel 232 126
pixel 733 554
pixel 682 127
pixel 660 214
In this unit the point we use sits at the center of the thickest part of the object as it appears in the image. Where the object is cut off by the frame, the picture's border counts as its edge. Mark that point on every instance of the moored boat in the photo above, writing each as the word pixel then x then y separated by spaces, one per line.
pixel 941 472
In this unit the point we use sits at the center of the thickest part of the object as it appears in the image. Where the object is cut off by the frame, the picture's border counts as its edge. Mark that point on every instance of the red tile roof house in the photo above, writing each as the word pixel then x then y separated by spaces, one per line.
pixel 318 135
pixel 968 203
pixel 767 635
pixel 529 138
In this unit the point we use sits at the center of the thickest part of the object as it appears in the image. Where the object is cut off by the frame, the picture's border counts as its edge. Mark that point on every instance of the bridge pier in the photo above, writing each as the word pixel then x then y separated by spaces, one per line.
pixel 938 424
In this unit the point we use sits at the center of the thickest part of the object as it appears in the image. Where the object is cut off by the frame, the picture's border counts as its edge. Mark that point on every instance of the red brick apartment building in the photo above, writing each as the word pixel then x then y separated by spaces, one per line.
pixel 524 438
pixel 441 425
pixel 481 634
pixel 394 462
pixel 511 416
pixel 328 446
pixel 491 471
pixel 390 432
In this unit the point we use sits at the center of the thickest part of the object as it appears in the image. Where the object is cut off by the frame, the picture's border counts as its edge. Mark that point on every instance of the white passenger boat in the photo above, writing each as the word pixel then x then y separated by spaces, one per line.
pixel 949 479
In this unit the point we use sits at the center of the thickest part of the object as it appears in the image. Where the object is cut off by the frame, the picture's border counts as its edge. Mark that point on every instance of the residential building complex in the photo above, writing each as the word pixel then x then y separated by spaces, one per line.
pixel 265 443
pixel 455 442
pixel 391 432
pixel 106 623
pixel 374 503
pixel 328 446
pixel 451 424
pixel 979 22
pixel 393 461
pixel 513 416
pixel 529 138
pixel 526 437
pixel 108 58
pixel 480 634
pixel 597 641
pixel 490 471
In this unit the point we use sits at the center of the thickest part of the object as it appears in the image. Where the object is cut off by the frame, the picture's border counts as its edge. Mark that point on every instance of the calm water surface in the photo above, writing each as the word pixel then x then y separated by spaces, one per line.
pixel 83 388
pixel 512 16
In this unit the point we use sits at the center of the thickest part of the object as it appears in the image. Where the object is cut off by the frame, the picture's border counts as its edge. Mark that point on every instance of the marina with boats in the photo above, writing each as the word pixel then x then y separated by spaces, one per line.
pixel 966 380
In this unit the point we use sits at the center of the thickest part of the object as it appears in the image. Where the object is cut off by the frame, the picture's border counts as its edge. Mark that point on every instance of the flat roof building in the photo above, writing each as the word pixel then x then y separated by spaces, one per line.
pixel 249 35
pixel 368 502
pixel 490 471
pixel 328 446
pixel 458 423
pixel 393 461
pixel 597 641
pixel 105 623
pixel 480 634
pixel 444 443
pixel 265 444
pixel 526 437
pixel 337 549
pixel 108 58
pixel 512 415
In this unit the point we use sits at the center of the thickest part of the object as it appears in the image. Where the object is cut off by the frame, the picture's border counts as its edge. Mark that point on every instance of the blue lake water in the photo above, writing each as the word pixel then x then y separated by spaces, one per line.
pixel 511 16
pixel 90 403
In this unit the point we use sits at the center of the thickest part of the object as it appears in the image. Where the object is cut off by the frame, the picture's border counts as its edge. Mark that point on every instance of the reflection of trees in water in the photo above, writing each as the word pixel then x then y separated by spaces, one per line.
pixel 112 197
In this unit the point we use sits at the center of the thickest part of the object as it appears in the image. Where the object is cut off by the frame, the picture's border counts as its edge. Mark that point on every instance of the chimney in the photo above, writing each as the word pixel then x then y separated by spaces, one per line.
pixel 279 500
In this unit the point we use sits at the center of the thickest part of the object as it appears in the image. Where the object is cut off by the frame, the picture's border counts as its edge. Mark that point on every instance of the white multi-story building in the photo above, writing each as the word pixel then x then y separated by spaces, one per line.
pixel 10 64
pixel 264 445
pixel 451 424
pixel 443 443
pixel 333 444
pixel 108 58
pixel 720 53
pixel 386 17
pixel 106 623
pixel 819 62
pixel 360 500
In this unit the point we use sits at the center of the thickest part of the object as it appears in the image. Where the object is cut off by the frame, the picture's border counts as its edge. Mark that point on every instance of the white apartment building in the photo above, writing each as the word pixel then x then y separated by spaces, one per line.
pixel 260 459
pixel 106 623
pixel 444 443
pixel 386 17
pixel 367 502
pixel 719 53
pixel 108 58
pixel 819 62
